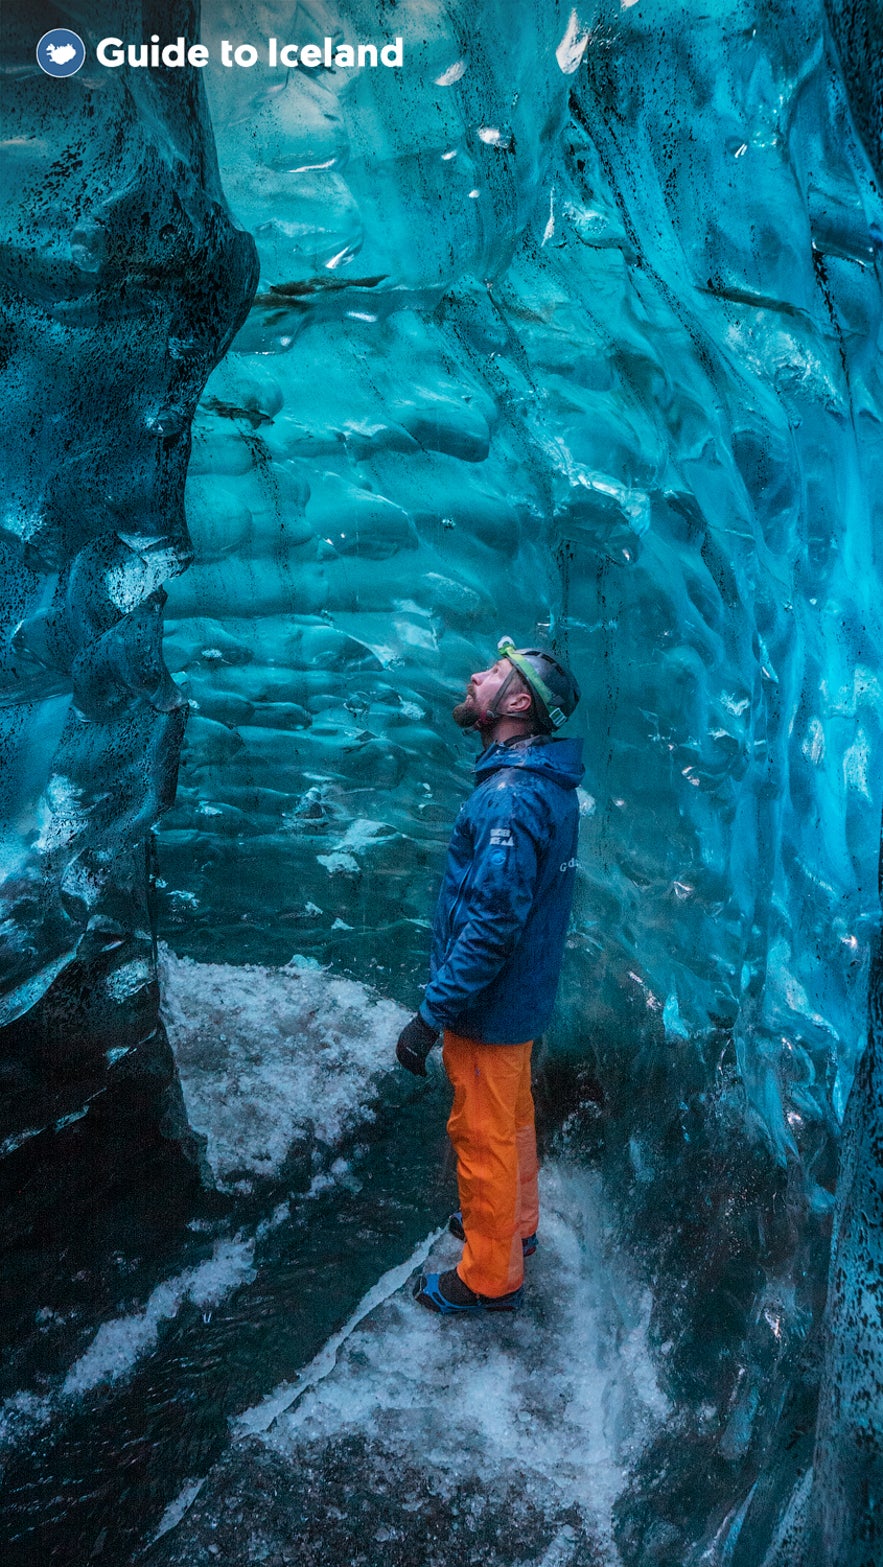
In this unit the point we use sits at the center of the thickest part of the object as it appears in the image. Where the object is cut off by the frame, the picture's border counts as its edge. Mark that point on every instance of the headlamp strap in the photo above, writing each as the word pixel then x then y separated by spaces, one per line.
pixel 507 648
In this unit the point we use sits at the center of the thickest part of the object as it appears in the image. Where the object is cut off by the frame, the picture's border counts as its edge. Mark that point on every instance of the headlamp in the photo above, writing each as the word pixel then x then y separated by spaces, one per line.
pixel 507 649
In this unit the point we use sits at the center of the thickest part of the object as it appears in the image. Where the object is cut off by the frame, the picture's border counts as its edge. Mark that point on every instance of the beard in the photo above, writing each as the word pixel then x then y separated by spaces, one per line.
pixel 467 714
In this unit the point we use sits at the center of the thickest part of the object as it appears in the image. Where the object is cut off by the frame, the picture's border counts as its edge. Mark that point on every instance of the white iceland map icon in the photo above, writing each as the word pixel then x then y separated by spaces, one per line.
pixel 61 52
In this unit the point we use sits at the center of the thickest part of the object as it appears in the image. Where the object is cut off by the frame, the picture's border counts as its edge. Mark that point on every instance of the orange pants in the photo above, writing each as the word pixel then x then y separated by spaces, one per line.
pixel 491 1127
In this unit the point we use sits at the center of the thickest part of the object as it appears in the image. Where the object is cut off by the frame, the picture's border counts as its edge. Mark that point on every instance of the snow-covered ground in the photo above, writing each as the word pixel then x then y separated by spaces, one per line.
pixel 558 1399
pixel 408 1437
pixel 269 1057
pixel 563 1393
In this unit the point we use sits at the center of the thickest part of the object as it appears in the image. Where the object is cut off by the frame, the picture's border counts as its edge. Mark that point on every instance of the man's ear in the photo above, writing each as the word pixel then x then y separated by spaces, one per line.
pixel 520 702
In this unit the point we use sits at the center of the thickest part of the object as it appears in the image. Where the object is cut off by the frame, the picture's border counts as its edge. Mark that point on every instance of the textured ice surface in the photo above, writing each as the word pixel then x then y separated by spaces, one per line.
pixel 123 1341
pixel 585 397
pixel 573 328
pixel 460 1427
pixel 269 1058
pixel 123 281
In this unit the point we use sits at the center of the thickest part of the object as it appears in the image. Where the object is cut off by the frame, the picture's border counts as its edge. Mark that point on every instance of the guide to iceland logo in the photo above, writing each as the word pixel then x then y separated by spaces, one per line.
pixel 60 52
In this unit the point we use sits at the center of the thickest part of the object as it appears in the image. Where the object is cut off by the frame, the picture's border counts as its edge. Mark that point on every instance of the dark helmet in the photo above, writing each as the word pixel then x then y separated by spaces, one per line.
pixel 554 690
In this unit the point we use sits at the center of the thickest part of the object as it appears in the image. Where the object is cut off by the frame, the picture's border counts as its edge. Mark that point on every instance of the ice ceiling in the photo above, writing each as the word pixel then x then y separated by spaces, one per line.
pixel 568 328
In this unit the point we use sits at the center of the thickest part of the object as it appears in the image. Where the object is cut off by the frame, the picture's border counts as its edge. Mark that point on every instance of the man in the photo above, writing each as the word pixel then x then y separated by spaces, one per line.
pixel 498 941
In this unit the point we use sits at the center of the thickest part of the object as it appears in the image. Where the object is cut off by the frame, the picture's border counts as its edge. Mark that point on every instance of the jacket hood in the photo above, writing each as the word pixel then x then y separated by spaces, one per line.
pixel 560 760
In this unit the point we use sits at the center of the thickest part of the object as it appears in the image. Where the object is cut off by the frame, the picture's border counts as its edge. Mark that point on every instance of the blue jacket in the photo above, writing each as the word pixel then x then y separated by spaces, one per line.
pixel 498 934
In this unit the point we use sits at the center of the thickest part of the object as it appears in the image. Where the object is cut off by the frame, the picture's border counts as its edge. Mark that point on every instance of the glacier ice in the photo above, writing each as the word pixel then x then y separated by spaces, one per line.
pixel 124 280
pixel 498 1446
pixel 843 1515
pixel 569 328
pixel 386 453
pixel 589 351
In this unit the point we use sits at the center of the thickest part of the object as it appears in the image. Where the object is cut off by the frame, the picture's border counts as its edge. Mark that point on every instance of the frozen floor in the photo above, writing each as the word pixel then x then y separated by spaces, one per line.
pixel 501 1441
pixel 271 1057
pixel 266 1389
pixel 273 1063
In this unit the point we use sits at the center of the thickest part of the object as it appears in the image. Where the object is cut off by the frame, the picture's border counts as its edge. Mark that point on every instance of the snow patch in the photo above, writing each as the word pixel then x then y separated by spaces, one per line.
pixel 271 1056
pixel 451 75
pixel 176 1509
pixel 572 46
pixel 563 1393
pixel 261 1416
pixel 121 1343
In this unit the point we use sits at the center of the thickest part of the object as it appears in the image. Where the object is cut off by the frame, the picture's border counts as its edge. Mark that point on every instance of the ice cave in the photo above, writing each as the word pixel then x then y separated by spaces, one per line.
pixel 320 377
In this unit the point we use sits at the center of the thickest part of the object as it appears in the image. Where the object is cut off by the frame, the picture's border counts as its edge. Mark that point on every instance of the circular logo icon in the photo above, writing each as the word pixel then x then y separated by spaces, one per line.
pixel 61 52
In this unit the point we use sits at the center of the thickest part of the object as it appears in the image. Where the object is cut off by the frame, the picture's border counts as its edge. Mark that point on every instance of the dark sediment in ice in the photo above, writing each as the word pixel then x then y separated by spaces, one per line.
pixel 857 26
pixel 350 1499
pixel 575 331
pixel 567 330
pixel 845 1516
pixel 124 280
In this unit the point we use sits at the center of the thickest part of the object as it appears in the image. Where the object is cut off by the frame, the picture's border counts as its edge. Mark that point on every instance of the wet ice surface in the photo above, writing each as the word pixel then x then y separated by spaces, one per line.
pixel 500 1440
pixel 269 1057
pixel 276 1383
pixel 120 1343
pixel 314 1139
pixel 271 1061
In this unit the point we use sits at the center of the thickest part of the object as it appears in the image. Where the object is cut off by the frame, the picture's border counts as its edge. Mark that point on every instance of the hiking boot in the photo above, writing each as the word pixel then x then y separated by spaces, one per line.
pixel 446 1293
pixel 455 1225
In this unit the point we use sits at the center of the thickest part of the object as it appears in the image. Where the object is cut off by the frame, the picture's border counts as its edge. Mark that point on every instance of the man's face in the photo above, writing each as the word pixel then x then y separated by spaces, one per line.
pixel 480 692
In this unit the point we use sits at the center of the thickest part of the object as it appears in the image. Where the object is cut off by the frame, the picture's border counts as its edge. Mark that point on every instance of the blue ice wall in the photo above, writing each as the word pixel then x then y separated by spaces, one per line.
pixel 844 1522
pixel 845 1515
pixel 123 281
pixel 522 370
pixel 571 329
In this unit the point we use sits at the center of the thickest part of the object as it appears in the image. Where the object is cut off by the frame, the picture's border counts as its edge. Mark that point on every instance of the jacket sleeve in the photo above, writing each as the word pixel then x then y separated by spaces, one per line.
pixel 498 897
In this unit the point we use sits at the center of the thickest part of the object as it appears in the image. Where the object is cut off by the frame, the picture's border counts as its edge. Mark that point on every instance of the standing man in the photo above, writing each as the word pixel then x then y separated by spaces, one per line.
pixel 498 941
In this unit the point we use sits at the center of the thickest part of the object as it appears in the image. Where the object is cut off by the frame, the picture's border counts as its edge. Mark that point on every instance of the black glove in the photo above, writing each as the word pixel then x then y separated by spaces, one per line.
pixel 414 1044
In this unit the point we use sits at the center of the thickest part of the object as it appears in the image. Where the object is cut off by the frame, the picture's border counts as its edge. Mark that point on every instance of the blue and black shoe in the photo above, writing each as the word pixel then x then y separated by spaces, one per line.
pixel 455 1225
pixel 446 1293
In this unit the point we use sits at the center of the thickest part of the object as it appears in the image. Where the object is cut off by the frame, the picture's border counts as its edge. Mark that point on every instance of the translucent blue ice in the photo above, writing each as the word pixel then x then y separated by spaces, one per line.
pixel 123 280
pixel 568 329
